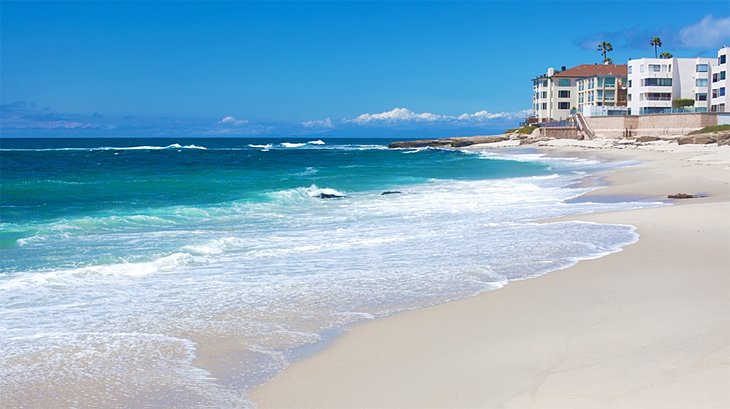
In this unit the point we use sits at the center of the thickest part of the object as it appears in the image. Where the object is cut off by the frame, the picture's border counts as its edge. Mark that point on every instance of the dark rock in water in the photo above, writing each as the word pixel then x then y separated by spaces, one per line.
pixel 457 142
pixel 329 196
pixel 682 196
pixel 391 192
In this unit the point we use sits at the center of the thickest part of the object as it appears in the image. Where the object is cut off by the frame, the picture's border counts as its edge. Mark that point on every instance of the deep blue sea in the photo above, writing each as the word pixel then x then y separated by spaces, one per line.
pixel 122 259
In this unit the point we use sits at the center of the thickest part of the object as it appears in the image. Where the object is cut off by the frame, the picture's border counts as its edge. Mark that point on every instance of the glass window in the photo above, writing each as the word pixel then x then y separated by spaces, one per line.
pixel 714 77
pixel 599 82
pixel 564 82
pixel 629 83
pixel 641 68
pixel 722 59
pixel 630 69
pixel 701 96
pixel 722 75
pixel 544 105
pixel 657 82
pixel 599 94
pixel 563 105
pixel 610 94
pixel 610 81
pixel 701 67
pixel 701 82
pixel 722 91
pixel 654 67
pixel 563 94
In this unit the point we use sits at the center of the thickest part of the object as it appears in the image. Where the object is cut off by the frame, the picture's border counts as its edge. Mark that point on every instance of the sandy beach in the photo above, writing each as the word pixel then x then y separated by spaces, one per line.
pixel 648 327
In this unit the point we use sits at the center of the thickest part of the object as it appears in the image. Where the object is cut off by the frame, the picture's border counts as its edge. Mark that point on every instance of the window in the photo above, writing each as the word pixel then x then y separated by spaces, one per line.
pixel 701 82
pixel 544 94
pixel 564 82
pixel 722 91
pixel 599 82
pixel 701 67
pixel 544 105
pixel 599 94
pixel 629 97
pixel 722 59
pixel 657 82
pixel 714 77
pixel 657 96
pixel 610 82
pixel 630 69
pixel 563 94
pixel 563 105
pixel 610 95
pixel 701 96
pixel 714 93
pixel 722 75
pixel 654 67
pixel 629 83
pixel 641 68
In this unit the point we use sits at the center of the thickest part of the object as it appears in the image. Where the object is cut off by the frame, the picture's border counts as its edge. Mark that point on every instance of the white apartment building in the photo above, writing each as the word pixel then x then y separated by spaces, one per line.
pixel 556 93
pixel 718 86
pixel 654 83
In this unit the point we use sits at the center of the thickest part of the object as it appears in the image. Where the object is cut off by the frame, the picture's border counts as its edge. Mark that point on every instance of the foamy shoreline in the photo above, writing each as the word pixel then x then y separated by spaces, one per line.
pixel 640 328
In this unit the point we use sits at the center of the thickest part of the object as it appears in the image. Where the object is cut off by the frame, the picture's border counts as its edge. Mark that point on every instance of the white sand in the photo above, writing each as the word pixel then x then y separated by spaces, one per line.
pixel 648 327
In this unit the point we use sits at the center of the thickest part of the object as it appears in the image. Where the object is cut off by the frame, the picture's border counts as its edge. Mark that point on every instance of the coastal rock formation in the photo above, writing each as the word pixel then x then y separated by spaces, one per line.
pixel 329 196
pixel 643 139
pixel 458 142
pixel 702 139
pixel 682 196
pixel 390 192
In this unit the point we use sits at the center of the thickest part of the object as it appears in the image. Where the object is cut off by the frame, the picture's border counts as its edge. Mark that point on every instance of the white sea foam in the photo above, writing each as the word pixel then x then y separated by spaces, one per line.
pixel 317 142
pixel 291 145
pixel 276 275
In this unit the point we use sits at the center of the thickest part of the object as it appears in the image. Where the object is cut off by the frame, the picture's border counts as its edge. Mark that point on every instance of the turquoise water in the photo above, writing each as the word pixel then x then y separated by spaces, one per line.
pixel 124 256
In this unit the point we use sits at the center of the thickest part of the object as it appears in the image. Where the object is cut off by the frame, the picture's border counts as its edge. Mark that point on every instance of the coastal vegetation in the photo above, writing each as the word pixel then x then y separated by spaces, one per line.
pixel 683 102
pixel 711 129
pixel 605 47
pixel 521 130
pixel 656 42
pixel 666 55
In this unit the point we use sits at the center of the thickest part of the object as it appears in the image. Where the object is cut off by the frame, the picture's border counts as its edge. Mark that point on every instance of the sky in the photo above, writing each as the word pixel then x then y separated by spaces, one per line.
pixel 306 68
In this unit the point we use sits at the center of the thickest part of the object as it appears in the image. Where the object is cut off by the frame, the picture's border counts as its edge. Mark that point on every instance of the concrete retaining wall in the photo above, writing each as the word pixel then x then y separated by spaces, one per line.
pixel 566 132
pixel 650 125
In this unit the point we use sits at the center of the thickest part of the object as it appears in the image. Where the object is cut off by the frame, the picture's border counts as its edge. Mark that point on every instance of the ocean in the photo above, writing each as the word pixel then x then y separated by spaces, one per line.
pixel 123 260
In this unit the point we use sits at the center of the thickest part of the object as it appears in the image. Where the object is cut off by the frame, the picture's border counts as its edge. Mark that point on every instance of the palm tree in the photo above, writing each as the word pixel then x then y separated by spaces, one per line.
pixel 666 55
pixel 656 42
pixel 605 47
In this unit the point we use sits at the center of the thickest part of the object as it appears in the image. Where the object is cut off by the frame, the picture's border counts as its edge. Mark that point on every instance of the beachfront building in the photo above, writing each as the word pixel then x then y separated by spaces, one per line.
pixel 718 86
pixel 655 82
pixel 556 93
pixel 604 92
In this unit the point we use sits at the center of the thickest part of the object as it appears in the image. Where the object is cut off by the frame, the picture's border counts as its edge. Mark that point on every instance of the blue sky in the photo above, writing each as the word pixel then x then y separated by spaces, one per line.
pixel 312 68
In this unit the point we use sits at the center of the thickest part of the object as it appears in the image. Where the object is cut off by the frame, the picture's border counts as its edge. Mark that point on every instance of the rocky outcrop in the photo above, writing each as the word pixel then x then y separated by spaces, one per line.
pixel 390 192
pixel 701 139
pixel 682 196
pixel 643 139
pixel 448 142
pixel 329 196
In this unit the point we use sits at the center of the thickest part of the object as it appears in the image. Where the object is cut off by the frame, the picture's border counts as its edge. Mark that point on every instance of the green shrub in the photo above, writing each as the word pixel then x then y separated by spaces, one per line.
pixel 709 129
pixel 683 102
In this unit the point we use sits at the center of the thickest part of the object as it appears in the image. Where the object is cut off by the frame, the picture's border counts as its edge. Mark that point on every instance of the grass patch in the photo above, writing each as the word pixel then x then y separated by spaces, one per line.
pixel 522 130
pixel 709 129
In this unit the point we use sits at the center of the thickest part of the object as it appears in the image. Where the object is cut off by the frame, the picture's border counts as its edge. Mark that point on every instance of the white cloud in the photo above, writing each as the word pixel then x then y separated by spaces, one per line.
pixel 229 120
pixel 323 123
pixel 403 115
pixel 708 32
pixel 397 115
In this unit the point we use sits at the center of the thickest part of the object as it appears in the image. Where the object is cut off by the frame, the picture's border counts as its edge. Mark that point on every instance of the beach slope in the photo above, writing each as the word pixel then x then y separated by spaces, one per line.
pixel 648 327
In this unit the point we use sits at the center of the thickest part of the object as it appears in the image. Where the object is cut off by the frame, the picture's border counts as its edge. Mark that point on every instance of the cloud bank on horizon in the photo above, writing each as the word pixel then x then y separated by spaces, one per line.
pixel 26 119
